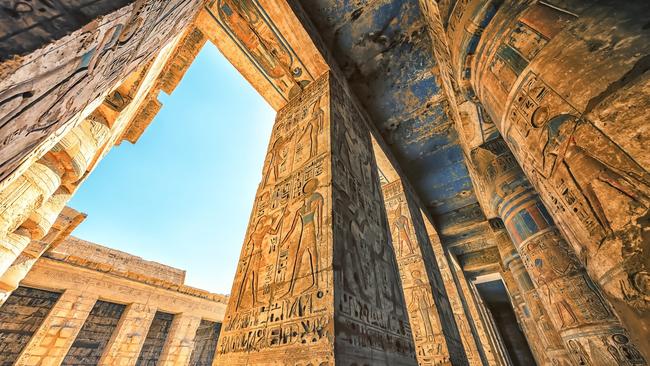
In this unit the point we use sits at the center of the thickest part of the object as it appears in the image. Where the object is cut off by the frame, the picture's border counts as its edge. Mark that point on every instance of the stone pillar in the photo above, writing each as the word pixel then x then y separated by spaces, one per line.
pixel 180 341
pixel 17 202
pixel 489 351
pixel 542 336
pixel 583 319
pixel 317 280
pixel 463 319
pixel 51 342
pixel 33 201
pixel 572 106
pixel 124 347
pixel 435 333
pixel 490 325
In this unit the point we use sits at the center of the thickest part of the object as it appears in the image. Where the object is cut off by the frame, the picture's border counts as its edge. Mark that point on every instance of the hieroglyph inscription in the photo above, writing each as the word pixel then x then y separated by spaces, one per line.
pixel 282 293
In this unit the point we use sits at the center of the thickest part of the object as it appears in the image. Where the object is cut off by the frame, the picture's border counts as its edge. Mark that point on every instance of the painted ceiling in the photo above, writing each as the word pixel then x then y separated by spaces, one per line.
pixel 383 48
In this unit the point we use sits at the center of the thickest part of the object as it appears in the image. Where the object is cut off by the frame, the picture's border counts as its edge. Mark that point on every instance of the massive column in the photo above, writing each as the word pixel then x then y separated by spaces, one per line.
pixel 542 336
pixel 567 86
pixel 525 319
pixel 67 221
pixel 435 332
pixel 585 322
pixel 317 280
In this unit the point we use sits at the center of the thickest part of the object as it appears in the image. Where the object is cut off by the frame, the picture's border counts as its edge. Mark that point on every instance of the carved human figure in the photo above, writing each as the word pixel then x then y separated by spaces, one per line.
pixel 313 127
pixel 401 226
pixel 421 304
pixel 264 229
pixel 245 21
pixel 309 217
pixel 276 158
pixel 590 174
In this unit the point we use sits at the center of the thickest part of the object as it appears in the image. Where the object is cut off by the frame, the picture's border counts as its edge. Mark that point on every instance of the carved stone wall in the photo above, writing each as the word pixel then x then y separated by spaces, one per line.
pixel 155 340
pixel 89 345
pixel 20 317
pixel 299 289
pixel 205 343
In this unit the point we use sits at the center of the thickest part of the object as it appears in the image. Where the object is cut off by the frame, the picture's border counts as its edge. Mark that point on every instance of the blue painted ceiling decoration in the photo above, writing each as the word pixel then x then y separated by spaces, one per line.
pixel 384 50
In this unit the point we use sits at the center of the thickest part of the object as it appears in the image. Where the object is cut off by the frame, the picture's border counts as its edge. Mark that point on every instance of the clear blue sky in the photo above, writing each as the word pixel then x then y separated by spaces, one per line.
pixel 182 195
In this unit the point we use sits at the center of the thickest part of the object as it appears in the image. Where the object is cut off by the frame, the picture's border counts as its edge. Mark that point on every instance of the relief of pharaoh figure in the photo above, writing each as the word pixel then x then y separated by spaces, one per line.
pixel 309 133
pixel 606 187
pixel 401 228
pixel 421 304
pixel 261 234
pixel 276 159
pixel 307 223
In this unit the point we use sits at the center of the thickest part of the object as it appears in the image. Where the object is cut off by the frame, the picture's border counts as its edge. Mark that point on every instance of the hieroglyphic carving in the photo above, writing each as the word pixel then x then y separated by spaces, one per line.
pixel 93 337
pixel 205 343
pixel 375 317
pixel 315 254
pixel 20 317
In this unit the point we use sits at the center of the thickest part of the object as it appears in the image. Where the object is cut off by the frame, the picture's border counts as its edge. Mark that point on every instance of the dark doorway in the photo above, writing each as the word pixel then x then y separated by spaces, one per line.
pixel 497 301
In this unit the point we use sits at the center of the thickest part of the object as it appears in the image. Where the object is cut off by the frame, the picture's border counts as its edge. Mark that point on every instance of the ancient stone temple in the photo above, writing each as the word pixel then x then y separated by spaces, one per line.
pixel 457 182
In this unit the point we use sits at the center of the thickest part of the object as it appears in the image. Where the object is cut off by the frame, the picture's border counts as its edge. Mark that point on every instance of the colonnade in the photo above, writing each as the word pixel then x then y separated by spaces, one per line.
pixel 80 289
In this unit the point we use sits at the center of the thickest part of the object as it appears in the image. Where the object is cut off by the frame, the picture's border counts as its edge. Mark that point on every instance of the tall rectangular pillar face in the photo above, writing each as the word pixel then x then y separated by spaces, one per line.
pixel 317 281
pixel 436 335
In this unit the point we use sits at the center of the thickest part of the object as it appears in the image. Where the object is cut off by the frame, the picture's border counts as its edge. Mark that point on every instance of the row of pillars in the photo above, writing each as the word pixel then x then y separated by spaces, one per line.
pixel 31 203
pixel 50 343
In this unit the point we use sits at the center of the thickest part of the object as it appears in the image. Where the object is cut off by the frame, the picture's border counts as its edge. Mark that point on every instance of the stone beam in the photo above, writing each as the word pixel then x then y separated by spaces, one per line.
pixel 266 43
